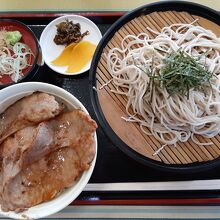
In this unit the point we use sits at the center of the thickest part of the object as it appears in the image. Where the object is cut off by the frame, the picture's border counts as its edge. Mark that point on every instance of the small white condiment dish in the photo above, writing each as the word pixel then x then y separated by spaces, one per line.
pixel 51 51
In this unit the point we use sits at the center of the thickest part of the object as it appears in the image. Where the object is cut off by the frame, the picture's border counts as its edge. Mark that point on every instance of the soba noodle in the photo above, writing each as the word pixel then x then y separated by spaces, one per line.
pixel 169 118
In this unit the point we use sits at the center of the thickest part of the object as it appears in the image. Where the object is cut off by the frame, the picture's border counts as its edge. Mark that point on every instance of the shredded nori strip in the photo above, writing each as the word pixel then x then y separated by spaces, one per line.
pixel 180 74
pixel 183 72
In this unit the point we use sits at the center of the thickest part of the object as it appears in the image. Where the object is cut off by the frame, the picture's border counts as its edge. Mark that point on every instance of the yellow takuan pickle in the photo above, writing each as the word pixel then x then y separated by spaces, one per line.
pixel 80 56
pixel 64 58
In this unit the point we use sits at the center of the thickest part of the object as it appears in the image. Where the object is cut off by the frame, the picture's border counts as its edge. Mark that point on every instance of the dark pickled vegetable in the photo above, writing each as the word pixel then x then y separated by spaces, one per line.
pixel 68 32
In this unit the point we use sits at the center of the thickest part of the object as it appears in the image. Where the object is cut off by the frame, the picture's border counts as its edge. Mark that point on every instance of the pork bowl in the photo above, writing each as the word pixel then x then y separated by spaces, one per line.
pixel 48 149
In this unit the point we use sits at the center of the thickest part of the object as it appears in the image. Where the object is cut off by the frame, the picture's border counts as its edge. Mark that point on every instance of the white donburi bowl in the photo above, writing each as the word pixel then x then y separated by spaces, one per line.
pixel 13 93
pixel 51 51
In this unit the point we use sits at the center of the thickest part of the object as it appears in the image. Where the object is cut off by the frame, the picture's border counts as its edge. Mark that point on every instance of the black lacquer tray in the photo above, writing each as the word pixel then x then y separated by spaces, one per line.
pixel 112 165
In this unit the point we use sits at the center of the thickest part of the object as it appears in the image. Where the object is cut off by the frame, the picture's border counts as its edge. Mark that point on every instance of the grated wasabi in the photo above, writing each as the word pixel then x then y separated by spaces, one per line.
pixel 12 37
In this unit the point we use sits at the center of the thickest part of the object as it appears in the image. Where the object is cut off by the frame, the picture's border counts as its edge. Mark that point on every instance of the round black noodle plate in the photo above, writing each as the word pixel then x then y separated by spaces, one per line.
pixel 175 159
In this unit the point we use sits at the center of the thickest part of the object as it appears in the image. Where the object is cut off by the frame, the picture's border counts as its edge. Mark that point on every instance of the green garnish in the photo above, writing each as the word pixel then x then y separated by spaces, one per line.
pixel 180 73
pixel 12 37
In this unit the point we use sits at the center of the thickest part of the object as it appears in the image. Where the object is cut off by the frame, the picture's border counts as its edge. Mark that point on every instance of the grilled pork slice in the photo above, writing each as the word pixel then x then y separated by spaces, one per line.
pixel 24 148
pixel 76 129
pixel 28 111
pixel 42 180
